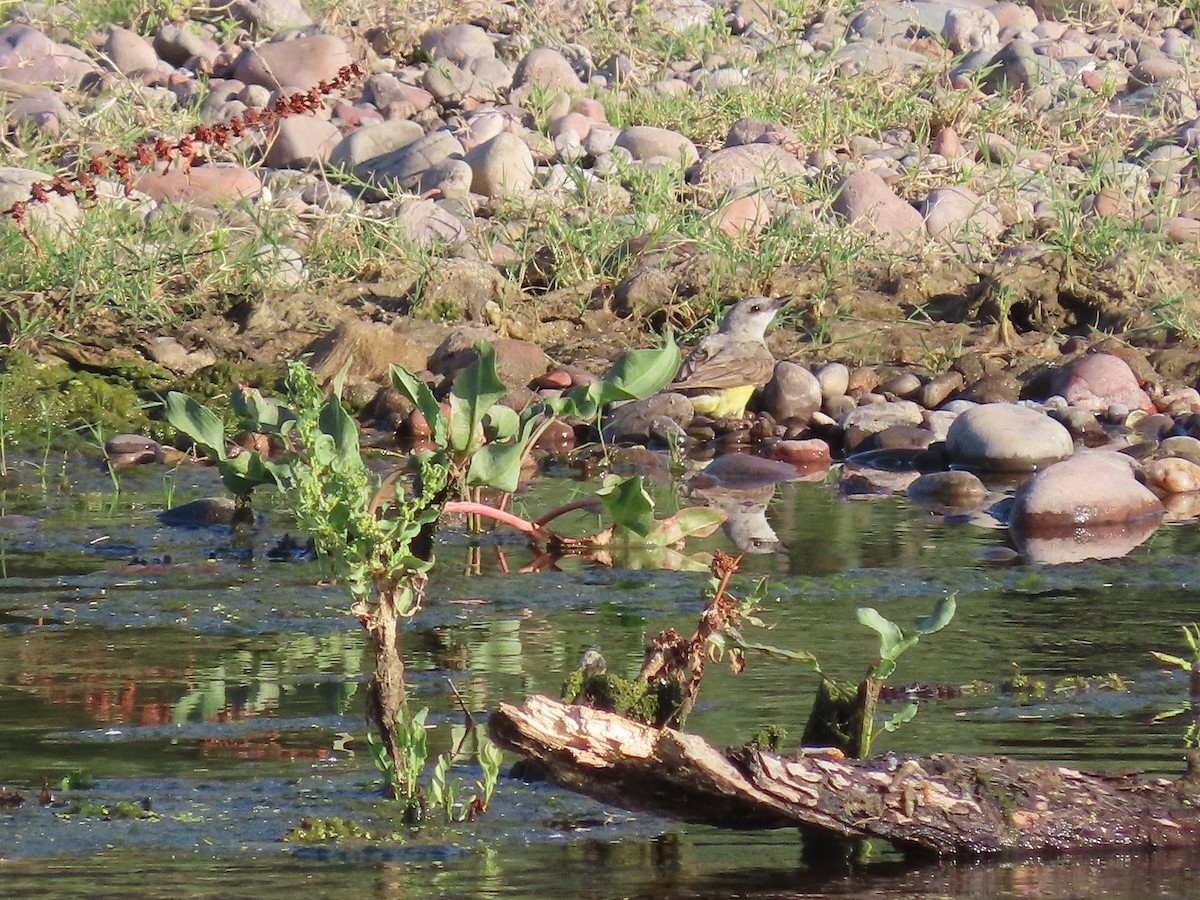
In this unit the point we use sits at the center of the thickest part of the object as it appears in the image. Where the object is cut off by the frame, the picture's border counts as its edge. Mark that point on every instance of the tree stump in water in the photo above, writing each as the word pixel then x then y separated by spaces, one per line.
pixel 940 804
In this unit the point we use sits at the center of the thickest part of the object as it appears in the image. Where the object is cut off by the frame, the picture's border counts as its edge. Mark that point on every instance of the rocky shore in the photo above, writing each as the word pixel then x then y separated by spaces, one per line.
pixel 984 218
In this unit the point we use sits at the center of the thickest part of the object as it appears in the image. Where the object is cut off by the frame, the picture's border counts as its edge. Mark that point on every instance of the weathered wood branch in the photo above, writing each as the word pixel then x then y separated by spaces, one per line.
pixel 941 804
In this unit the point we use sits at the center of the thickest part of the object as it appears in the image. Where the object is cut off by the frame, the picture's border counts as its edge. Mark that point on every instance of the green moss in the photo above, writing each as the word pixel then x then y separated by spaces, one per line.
pixel 38 400
pixel 768 737
pixel 315 829
pixel 637 700
pixel 222 377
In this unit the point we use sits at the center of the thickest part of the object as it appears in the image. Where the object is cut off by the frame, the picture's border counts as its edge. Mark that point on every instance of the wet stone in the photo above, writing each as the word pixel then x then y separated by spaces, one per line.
pixel 957 490
pixel 1091 488
pixel 206 512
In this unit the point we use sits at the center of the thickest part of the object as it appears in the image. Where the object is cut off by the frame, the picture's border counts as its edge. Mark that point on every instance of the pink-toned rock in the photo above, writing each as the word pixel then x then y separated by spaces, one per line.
pixel 793 394
pixel 648 141
pixel 947 143
pixel 1098 381
pixel 300 141
pixel 959 217
pixel 205 185
pixel 807 456
pixel 295 64
pixel 29 57
pixel 746 164
pixel 45 109
pixel 742 216
pixel 576 122
pixel 1182 229
pixel 129 51
pixel 955 491
pixel 349 116
pixel 1091 488
pixel 548 69
pixel 1180 402
pixel 866 201
pixel 1173 475
pixel 592 108
pixel 457 43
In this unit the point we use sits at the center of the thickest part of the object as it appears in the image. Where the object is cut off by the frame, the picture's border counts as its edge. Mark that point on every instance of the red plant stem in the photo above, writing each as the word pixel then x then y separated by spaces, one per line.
pixel 471 508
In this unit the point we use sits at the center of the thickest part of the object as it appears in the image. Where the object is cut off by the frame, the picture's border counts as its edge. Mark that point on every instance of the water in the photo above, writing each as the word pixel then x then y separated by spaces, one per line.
pixel 225 693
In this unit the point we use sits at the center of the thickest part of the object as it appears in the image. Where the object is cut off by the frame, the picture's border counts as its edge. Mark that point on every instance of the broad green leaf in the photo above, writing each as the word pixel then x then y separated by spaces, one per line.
pixel 265 412
pixel 904 715
pixel 796 655
pixel 422 398
pixel 502 422
pixel 498 465
pixel 891 638
pixel 939 618
pixel 629 506
pixel 474 392
pixel 339 425
pixel 198 422
pixel 643 373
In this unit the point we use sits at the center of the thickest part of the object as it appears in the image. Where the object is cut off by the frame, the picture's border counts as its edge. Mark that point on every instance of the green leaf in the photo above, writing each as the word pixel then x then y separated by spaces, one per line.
pixel 641 373
pixel 502 423
pixel 419 394
pixel 1172 660
pixel 904 715
pixel 795 655
pixel 498 465
pixel 264 413
pixel 339 425
pixel 474 392
pixel 939 618
pixel 891 639
pixel 629 505
pixel 199 423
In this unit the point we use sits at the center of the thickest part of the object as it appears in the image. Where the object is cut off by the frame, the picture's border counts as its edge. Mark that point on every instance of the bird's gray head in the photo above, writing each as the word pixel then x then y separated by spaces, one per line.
pixel 749 318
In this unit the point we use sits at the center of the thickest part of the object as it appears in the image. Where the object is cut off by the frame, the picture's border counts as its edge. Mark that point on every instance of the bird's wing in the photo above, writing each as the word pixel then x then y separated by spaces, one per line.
pixel 716 365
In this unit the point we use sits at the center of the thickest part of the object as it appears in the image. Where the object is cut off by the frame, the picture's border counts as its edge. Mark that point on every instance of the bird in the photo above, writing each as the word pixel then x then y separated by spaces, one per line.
pixel 722 371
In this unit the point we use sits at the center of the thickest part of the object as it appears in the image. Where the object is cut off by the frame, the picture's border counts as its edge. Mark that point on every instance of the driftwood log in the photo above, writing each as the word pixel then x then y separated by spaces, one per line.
pixel 940 804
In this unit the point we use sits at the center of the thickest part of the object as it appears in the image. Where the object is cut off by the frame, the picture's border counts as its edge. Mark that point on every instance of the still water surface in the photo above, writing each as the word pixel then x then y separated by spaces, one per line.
pixel 225 692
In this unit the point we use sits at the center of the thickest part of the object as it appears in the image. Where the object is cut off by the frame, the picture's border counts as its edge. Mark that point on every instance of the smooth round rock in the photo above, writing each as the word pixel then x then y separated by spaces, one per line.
pixel 957 490
pixel 1173 475
pixel 1097 381
pixel 834 379
pixel 648 141
pixel 1090 488
pixel 1005 437
pixel 296 64
pixel 501 166
pixel 457 43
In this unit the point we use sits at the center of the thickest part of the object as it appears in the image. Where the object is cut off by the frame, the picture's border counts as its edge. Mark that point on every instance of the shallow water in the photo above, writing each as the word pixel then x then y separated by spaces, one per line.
pixel 224 692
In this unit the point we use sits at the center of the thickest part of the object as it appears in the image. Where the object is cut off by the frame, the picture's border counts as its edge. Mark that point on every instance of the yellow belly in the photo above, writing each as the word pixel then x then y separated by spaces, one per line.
pixel 727 403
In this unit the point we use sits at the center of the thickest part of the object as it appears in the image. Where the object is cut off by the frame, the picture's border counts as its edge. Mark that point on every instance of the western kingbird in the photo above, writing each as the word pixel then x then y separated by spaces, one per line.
pixel 722 371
